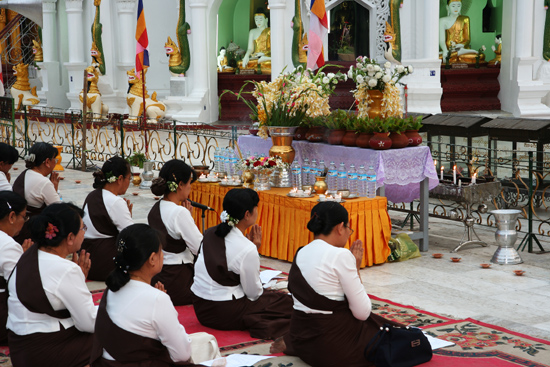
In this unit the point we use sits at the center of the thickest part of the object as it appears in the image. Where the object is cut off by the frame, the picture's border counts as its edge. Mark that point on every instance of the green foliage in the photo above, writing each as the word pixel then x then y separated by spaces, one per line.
pixel 137 159
pixel 365 125
pixel 314 121
pixel 380 125
pixel 337 119
pixel 414 123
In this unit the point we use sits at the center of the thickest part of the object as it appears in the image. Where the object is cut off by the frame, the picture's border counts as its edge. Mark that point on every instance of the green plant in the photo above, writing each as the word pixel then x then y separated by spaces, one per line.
pixel 365 125
pixel 314 121
pixel 137 159
pixel 380 125
pixel 351 122
pixel 415 123
pixel 397 125
pixel 337 120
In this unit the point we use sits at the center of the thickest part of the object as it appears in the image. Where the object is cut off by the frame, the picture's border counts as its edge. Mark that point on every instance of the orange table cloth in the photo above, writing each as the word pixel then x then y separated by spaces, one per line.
pixel 284 219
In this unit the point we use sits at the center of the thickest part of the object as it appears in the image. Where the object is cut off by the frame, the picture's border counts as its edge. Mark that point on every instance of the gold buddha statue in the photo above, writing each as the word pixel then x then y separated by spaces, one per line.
pixel 454 35
pixel 498 51
pixel 259 45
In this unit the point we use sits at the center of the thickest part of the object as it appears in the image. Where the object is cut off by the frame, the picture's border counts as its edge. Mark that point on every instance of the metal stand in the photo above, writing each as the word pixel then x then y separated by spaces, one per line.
pixel 203 216
pixel 467 238
pixel 412 216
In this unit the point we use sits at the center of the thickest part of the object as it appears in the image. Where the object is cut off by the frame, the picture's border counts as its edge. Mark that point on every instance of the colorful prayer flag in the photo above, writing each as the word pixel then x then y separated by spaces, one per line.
pixel 142 46
pixel 318 29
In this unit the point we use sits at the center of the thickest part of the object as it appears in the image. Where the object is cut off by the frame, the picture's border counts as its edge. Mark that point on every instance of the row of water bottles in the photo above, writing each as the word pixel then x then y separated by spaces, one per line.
pixel 359 182
pixel 225 160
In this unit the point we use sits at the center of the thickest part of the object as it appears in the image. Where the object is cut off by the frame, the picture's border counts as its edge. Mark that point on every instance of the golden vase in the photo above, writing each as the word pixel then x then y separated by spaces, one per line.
pixel 320 185
pixel 58 167
pixel 248 179
pixel 281 137
pixel 375 107
pixel 136 179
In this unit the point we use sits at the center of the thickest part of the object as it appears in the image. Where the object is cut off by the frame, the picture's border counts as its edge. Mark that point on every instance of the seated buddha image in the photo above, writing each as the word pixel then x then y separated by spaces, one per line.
pixel 454 35
pixel 259 45
pixel 223 64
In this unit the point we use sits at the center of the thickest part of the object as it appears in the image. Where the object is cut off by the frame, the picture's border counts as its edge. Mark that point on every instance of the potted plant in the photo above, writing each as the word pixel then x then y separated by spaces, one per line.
pixel 336 126
pixel 350 137
pixel 381 139
pixel 316 131
pixel 366 132
pixel 414 124
pixel 397 135
pixel 136 160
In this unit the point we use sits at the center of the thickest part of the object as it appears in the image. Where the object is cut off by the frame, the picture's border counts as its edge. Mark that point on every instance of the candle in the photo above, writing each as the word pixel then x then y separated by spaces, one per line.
pixel 474 178
pixel 435 162
pixel 441 174
pixel 454 174
pixel 459 183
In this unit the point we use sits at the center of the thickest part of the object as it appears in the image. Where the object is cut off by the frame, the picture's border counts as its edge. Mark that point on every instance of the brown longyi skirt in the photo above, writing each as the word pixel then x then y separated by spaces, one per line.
pixel 177 280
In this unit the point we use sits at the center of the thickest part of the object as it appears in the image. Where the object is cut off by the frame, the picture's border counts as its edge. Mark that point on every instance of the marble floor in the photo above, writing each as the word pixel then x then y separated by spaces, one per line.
pixel 458 290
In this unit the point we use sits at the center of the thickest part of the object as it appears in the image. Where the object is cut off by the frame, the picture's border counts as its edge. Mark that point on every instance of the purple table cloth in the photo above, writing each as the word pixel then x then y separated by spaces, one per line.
pixel 399 170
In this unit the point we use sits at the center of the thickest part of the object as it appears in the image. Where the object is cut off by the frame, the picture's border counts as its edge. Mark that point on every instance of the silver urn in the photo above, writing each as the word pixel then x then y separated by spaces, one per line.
pixel 506 237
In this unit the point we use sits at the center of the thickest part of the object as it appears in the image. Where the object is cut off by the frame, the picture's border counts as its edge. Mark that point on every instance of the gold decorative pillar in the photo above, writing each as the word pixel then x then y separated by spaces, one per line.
pixel 3 45
pixel 16 53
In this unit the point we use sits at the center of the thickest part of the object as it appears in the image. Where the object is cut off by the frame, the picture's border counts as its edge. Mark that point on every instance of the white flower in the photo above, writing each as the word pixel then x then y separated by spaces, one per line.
pixel 376 68
pixel 350 74
pixel 483 48
pixel 372 83
pixel 387 65
pixel 360 79
pixel 386 78
pixel 325 80
pixel 410 69
pixel 331 75
pixel 334 81
pixel 371 73
pixel 224 216
pixel 370 67
pixel 346 77
pixel 400 68
pixel 378 75
pixel 111 179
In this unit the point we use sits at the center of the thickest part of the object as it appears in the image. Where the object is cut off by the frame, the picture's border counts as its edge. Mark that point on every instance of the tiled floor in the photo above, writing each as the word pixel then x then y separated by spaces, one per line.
pixel 459 290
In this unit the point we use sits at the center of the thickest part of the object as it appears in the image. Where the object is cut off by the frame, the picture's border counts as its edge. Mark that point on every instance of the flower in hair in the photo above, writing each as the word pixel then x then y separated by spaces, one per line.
pixel 226 218
pixel 30 157
pixel 110 178
pixel 121 246
pixel 50 231
pixel 172 186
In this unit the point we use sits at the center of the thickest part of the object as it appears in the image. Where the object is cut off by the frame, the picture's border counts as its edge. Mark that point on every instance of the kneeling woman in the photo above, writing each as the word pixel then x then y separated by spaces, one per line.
pixel 106 215
pixel 137 324
pixel 181 237
pixel 227 288
pixel 332 321
pixel 51 313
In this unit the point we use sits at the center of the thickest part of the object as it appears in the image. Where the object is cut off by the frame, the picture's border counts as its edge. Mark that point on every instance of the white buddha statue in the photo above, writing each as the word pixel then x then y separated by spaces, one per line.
pixel 222 62
pixel 259 45
pixel 454 33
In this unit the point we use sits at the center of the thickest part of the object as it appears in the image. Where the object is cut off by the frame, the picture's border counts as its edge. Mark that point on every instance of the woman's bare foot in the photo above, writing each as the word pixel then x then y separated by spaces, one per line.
pixel 278 346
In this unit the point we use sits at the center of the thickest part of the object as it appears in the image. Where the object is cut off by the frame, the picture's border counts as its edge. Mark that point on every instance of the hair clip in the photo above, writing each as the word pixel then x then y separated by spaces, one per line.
pixel 121 246
pixel 50 231
pixel 30 157
pixel 172 186
pixel 8 204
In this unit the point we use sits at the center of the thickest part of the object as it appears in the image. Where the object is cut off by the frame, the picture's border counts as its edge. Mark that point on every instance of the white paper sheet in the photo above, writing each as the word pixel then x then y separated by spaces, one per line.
pixel 267 275
pixel 238 360
pixel 438 343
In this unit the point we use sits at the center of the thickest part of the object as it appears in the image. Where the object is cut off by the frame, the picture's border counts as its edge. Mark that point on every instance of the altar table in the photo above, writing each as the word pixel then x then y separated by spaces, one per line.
pixel 283 220
pixel 403 175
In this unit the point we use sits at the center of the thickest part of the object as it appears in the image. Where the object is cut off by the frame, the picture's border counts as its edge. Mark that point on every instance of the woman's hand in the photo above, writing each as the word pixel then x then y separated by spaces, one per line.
pixel 187 205
pixel 82 259
pixel 357 250
pixel 54 178
pixel 160 287
pixel 255 235
pixel 26 244
pixel 130 205
pixel 8 176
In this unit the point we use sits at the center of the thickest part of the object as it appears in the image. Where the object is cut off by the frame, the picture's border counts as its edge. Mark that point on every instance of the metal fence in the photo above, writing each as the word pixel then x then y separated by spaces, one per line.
pixel 192 142
pixel 524 176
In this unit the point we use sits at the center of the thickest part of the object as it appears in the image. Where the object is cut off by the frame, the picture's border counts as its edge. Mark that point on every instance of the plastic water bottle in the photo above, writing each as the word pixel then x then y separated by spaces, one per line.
pixel 313 172
pixel 226 161
pixel 332 177
pixel 342 177
pixel 305 172
pixel 233 160
pixel 321 168
pixel 217 159
pixel 371 183
pixel 352 180
pixel 362 181
pixel 296 170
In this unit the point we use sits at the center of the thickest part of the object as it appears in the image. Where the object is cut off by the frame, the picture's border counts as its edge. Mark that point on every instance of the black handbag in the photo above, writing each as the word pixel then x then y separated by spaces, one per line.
pixel 398 347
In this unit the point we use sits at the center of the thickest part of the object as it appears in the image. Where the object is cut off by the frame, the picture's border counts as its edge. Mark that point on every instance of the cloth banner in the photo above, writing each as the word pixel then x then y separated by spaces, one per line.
pixel 318 29
pixel 142 46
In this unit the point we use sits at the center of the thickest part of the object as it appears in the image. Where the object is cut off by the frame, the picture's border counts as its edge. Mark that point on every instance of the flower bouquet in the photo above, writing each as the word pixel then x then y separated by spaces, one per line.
pixel 258 164
pixel 377 82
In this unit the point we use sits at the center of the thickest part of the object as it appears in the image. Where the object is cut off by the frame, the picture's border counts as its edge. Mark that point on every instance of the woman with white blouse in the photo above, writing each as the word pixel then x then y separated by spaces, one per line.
pixel 137 324
pixel 34 185
pixel 8 156
pixel 13 214
pixel 332 321
pixel 106 214
pixel 51 314
pixel 228 293
pixel 181 238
